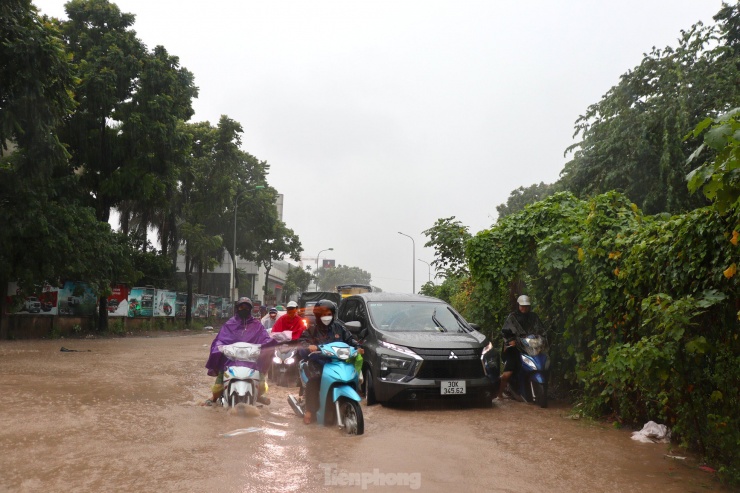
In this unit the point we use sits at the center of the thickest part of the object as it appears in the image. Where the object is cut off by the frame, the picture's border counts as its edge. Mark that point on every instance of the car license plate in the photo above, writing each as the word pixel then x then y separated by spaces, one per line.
pixel 451 387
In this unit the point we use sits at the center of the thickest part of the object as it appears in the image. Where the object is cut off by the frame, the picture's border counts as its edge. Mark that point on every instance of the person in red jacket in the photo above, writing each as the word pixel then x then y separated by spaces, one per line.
pixel 290 321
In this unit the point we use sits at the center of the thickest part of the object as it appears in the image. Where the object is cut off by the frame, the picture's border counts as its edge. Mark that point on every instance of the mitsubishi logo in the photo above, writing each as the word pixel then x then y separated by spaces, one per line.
pixel 452 355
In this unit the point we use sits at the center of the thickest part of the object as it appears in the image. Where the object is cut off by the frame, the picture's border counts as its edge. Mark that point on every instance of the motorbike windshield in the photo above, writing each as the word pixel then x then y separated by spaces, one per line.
pixel 416 317
pixel 534 344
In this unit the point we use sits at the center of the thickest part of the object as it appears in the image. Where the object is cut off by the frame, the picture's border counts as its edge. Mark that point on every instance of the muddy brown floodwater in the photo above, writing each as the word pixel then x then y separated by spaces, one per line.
pixel 124 415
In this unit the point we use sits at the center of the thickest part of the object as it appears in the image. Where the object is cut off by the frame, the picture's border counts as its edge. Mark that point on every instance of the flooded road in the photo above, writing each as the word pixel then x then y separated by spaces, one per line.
pixel 125 415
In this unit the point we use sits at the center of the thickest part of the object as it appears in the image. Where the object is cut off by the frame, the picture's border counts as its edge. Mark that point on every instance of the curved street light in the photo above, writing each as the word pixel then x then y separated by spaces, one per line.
pixel 234 289
pixel 428 266
pixel 317 265
pixel 413 262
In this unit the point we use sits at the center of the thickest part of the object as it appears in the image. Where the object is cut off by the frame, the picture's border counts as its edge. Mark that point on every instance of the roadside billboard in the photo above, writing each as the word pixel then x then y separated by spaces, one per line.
pixel 118 301
pixel 165 303
pixel 141 302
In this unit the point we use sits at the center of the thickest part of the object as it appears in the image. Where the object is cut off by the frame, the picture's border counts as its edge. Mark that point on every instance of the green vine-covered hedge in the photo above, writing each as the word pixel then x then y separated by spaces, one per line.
pixel 643 309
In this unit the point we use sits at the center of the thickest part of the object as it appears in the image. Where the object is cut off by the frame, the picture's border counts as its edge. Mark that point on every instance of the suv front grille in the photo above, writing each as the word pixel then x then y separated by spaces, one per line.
pixel 439 363
pixel 431 369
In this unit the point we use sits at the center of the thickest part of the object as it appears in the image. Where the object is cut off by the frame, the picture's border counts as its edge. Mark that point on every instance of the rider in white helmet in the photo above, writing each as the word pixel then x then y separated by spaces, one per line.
pixel 519 323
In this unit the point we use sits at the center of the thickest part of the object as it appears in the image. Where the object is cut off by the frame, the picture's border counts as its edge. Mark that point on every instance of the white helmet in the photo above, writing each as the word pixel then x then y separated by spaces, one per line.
pixel 523 300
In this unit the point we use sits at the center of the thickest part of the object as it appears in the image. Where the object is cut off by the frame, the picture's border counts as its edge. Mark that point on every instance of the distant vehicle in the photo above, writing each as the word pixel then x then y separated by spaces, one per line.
pixel 32 305
pixel 349 289
pixel 420 347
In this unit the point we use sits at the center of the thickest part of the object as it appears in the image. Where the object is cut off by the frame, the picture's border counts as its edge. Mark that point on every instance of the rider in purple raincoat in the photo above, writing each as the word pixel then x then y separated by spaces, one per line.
pixel 242 327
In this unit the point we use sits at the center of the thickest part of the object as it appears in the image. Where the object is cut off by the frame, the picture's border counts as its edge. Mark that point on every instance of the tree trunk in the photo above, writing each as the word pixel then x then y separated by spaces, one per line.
pixel 267 277
pixel 189 280
pixel 103 314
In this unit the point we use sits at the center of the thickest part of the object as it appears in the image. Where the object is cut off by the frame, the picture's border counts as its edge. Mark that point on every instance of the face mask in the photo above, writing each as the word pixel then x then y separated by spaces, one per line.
pixel 327 319
pixel 244 314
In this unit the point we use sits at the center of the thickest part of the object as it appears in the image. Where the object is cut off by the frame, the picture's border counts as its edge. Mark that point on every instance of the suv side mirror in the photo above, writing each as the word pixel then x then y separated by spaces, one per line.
pixel 354 327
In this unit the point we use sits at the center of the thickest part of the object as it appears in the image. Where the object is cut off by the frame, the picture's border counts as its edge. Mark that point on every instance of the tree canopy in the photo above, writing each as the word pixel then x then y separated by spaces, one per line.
pixel 330 278
pixel 632 140
pixel 92 120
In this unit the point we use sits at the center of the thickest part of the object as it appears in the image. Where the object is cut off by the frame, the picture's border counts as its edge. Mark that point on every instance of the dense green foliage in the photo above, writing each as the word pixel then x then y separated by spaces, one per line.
pixel 719 179
pixel 632 140
pixel 522 197
pixel 643 308
pixel 90 121
pixel 448 238
pixel 296 281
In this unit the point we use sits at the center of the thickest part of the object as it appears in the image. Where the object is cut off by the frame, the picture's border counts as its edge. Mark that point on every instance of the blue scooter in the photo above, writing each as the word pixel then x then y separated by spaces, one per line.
pixel 530 382
pixel 339 402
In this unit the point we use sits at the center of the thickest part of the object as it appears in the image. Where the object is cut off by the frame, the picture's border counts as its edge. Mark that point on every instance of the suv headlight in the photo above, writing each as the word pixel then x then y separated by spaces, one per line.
pixel 400 367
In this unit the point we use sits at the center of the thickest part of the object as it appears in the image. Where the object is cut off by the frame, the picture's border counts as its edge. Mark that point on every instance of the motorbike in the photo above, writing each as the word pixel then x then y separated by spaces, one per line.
pixel 339 402
pixel 529 383
pixel 241 383
pixel 284 370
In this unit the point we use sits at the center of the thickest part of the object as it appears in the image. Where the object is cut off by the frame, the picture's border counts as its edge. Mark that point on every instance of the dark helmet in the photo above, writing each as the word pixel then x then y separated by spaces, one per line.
pixel 244 301
pixel 325 304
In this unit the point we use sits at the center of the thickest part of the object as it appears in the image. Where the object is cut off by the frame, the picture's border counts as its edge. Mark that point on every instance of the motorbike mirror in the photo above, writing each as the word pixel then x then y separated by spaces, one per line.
pixel 355 327
pixel 476 327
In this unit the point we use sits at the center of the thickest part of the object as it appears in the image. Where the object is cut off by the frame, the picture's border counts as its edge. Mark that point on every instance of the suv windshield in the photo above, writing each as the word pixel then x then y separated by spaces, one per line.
pixel 415 316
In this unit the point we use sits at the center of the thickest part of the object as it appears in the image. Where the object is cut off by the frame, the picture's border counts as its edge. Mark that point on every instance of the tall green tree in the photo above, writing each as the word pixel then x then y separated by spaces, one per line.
pixel 205 193
pixel 283 241
pixel 632 140
pixel 448 238
pixel 297 281
pixel 125 139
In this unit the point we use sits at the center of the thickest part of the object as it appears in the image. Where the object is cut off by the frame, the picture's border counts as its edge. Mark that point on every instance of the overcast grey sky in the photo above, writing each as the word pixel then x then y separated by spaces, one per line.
pixel 396 113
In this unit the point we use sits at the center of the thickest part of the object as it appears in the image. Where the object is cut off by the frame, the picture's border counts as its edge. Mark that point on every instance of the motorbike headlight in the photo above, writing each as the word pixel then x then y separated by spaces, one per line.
pixel 343 353
pixel 290 361
pixel 276 360
pixel 529 362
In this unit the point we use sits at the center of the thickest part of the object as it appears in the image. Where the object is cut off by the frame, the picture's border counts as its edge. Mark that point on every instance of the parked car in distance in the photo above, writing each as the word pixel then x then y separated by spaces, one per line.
pixel 420 347
pixel 32 305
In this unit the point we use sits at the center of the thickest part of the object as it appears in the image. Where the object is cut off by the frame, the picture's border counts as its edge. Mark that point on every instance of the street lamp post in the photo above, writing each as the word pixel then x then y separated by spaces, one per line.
pixel 317 266
pixel 428 266
pixel 234 288
pixel 413 262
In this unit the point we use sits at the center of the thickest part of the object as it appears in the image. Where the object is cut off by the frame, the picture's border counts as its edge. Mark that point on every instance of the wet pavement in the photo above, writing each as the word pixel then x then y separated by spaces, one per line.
pixel 125 415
